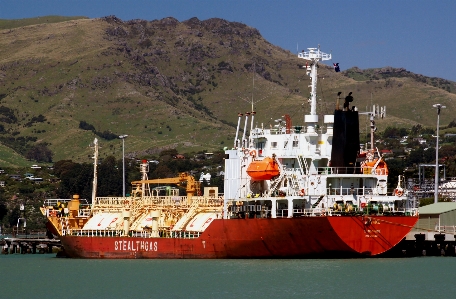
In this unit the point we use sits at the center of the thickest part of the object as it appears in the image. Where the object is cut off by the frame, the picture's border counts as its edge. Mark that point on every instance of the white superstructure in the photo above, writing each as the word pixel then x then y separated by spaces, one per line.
pixel 305 183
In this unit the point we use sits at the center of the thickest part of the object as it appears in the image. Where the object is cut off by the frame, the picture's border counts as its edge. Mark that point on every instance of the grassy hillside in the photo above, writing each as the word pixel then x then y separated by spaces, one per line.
pixel 10 158
pixel 170 84
pixel 10 24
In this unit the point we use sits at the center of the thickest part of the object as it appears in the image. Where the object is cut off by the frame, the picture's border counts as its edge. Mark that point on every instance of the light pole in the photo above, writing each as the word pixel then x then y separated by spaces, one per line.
pixel 436 183
pixel 123 163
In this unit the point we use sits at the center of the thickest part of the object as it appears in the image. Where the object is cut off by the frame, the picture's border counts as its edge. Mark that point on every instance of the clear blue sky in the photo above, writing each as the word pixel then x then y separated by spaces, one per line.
pixel 419 35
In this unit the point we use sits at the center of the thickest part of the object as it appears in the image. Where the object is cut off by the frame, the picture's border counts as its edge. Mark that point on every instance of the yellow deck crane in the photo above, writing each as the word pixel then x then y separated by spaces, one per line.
pixel 193 186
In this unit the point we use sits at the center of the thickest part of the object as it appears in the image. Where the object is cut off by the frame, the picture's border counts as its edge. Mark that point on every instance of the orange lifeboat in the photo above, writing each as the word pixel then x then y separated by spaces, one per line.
pixel 381 169
pixel 264 169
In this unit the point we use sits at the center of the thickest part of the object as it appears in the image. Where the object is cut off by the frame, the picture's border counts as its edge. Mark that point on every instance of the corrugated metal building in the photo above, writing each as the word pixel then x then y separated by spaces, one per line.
pixel 439 216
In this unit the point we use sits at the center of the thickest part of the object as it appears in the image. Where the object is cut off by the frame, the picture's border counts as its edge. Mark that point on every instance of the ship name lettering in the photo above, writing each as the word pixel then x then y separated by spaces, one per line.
pixel 124 245
pixel 372 233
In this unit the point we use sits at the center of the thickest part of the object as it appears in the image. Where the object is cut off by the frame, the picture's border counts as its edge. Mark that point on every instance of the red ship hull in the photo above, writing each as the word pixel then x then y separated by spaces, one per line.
pixel 335 236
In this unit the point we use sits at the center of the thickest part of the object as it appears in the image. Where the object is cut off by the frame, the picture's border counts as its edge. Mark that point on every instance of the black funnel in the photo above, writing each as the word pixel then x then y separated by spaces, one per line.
pixel 345 146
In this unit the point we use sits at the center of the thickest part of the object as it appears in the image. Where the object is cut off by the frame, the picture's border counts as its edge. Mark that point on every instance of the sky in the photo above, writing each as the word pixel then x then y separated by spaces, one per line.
pixel 418 35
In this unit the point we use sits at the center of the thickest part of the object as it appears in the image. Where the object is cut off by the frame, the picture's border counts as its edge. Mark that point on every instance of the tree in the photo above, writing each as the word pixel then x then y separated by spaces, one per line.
pixel 3 207
pixel 395 168
pixel 40 152
pixel 110 177
pixel 416 130
pixel 168 154
pixel 162 171
pixel 403 132
pixel 429 155
pixel 415 157
pixel 86 126
pixel 390 132
pixel 75 178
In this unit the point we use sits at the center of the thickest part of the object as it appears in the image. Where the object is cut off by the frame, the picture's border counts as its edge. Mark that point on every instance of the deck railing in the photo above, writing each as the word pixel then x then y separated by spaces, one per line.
pixel 141 234
pixel 171 201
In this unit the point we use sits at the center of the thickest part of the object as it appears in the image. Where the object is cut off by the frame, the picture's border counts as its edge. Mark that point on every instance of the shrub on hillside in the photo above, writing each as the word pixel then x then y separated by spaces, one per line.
pixel 86 126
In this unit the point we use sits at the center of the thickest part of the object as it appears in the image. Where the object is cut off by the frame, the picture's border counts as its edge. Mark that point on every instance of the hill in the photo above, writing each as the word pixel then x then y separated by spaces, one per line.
pixel 171 84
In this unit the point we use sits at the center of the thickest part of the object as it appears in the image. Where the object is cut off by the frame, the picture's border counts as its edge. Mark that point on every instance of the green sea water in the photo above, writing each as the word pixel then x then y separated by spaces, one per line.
pixel 45 276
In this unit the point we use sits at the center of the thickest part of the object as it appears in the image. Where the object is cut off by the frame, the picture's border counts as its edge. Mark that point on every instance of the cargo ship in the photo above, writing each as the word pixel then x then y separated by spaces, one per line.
pixel 289 192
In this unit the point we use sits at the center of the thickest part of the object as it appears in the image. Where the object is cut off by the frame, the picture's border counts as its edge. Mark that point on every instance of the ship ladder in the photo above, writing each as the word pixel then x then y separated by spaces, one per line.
pixel 295 185
pixel 65 226
pixel 303 165
pixel 318 201
pixel 276 182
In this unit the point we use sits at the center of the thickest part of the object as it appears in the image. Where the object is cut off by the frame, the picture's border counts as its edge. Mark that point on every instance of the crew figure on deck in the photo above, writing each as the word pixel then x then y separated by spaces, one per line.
pixel 348 100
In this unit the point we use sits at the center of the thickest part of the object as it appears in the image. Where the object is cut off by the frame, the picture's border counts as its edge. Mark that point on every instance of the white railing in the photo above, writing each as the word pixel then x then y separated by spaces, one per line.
pixel 111 201
pixel 141 234
pixel 84 213
pixel 52 202
pixel 407 211
pixel 282 213
pixel 185 234
pixel 171 201
pixel 94 232
pixel 351 191
pixel 448 229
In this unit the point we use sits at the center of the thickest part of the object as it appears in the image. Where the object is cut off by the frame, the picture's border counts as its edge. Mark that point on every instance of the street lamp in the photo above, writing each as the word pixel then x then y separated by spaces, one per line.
pixel 436 183
pixel 123 163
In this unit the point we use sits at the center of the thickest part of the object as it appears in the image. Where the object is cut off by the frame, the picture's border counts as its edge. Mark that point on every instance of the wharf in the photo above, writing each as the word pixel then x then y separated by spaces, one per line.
pixel 427 243
pixel 28 243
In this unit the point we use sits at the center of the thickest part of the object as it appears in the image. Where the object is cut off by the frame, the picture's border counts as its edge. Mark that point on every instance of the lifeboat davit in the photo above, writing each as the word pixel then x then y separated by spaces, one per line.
pixel 264 169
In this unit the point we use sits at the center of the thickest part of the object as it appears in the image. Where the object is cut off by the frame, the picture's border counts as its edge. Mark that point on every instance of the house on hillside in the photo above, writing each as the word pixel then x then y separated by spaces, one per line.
pixel 35 179
pixel 386 152
pixel 420 140
pixel 16 177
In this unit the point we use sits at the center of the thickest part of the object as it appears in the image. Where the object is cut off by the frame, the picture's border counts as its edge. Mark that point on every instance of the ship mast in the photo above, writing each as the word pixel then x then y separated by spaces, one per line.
pixel 252 111
pixel 313 55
